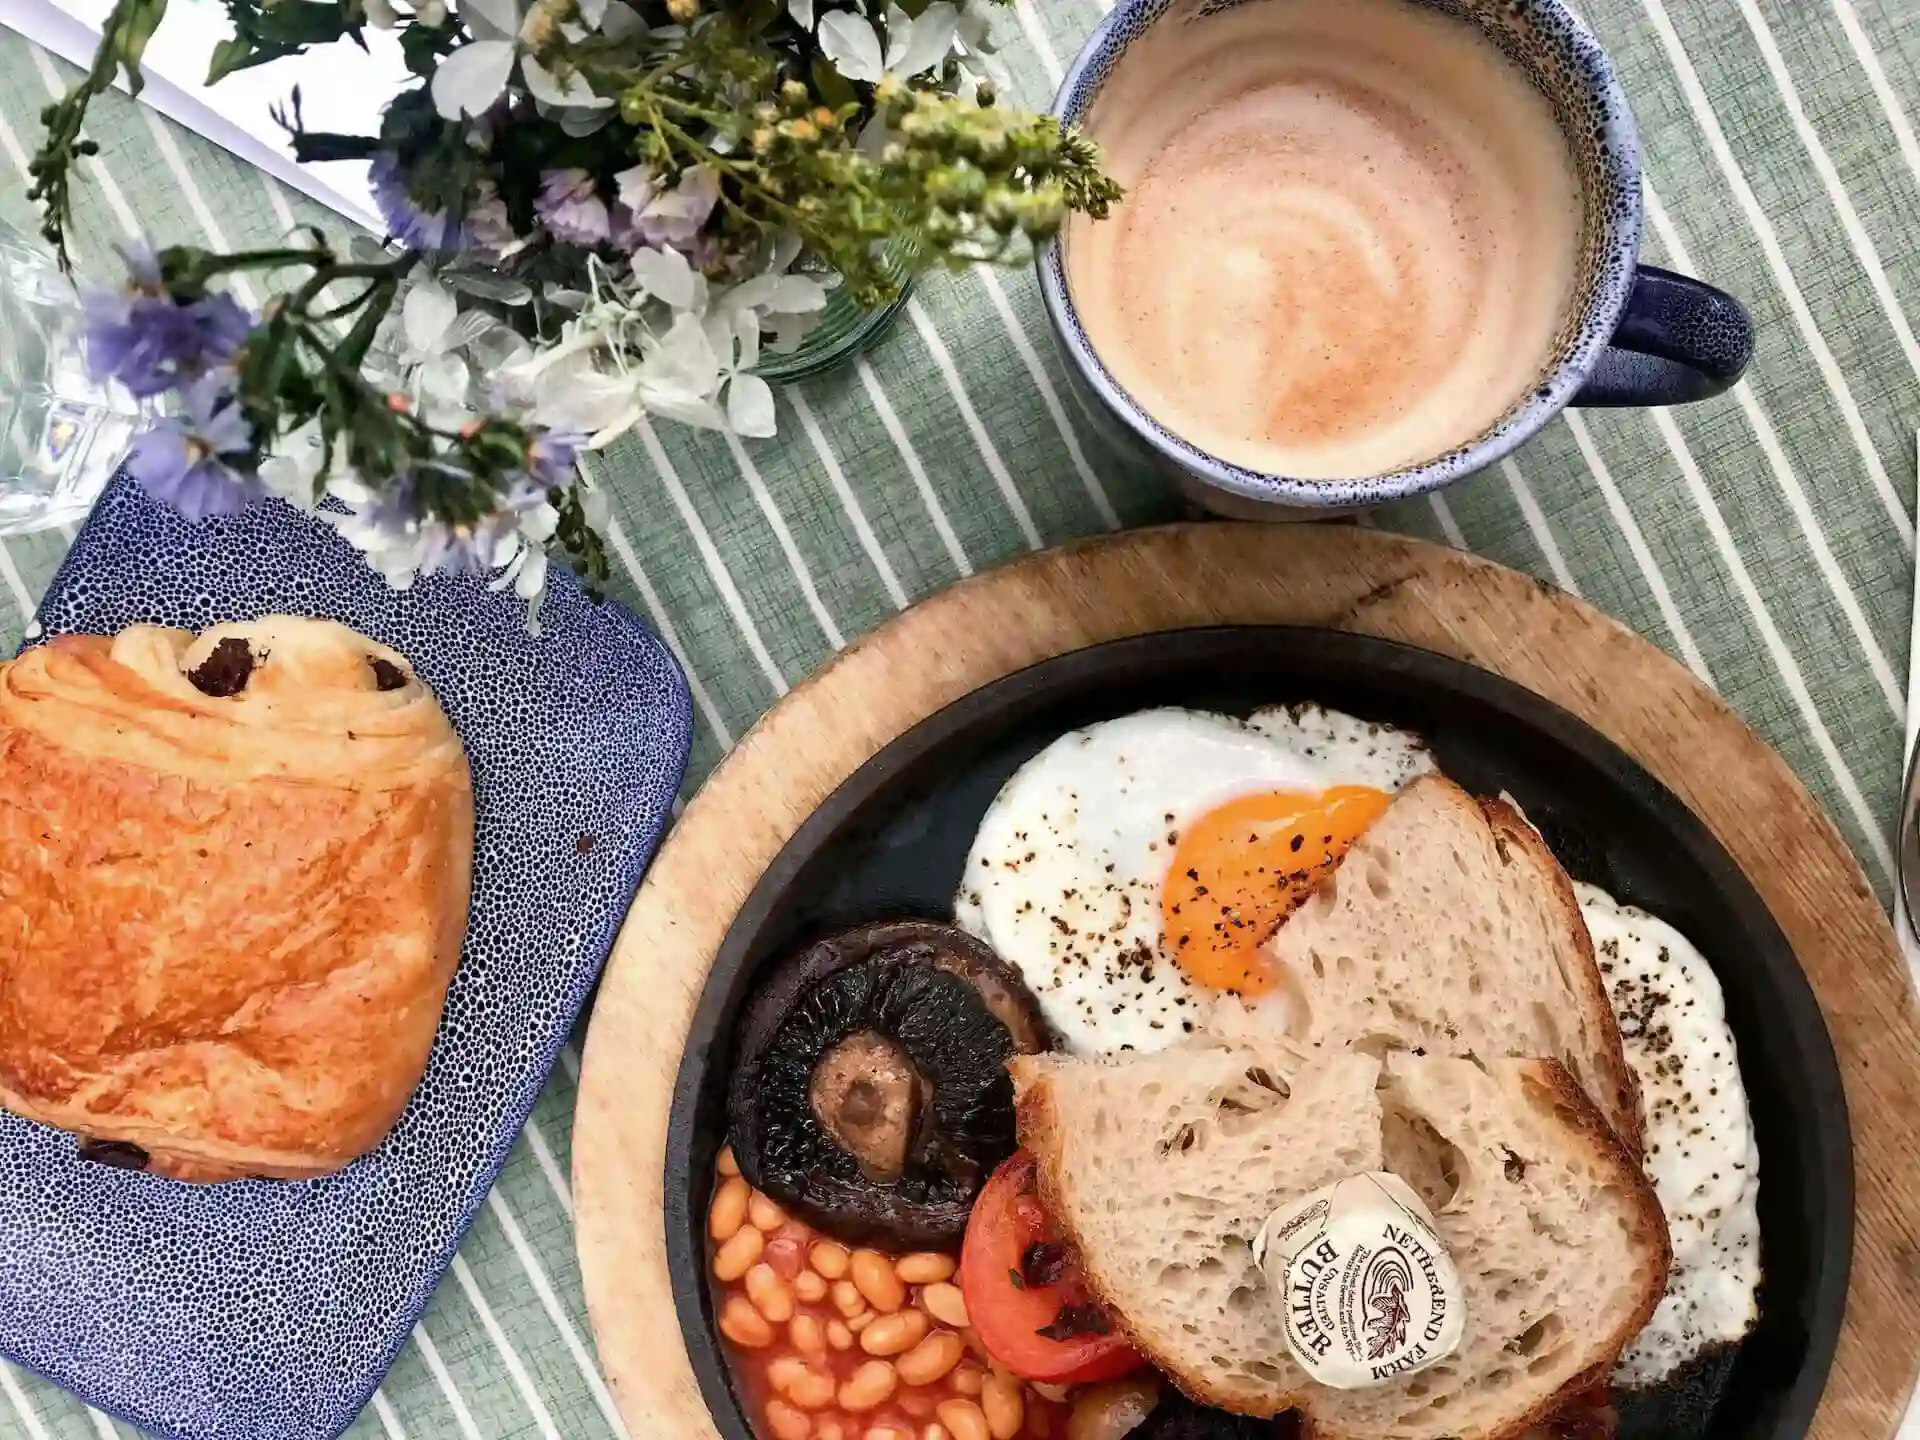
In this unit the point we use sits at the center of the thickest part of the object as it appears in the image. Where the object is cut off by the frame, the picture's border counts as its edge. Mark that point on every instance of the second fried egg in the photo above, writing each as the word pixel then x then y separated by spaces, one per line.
pixel 1133 869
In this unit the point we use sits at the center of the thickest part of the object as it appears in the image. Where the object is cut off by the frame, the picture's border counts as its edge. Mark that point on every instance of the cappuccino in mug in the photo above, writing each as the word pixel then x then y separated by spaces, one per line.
pixel 1351 236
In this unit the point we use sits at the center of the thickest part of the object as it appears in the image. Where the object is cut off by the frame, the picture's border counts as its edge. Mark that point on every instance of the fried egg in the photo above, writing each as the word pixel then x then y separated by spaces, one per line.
pixel 1131 871
pixel 1700 1150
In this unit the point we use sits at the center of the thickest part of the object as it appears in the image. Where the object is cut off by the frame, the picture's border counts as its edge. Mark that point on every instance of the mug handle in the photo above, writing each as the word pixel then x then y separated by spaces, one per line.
pixel 1679 340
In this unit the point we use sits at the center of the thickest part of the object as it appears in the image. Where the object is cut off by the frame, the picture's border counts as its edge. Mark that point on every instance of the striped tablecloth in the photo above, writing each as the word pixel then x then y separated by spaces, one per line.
pixel 1766 539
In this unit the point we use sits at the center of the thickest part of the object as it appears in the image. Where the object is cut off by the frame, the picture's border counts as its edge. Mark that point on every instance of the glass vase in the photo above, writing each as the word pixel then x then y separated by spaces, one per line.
pixel 845 329
pixel 61 435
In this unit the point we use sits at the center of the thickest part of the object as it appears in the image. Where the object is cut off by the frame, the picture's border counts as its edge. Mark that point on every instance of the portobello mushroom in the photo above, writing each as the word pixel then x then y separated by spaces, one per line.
pixel 870 1095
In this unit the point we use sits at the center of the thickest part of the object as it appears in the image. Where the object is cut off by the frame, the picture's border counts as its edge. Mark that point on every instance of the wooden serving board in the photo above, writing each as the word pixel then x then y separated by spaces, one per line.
pixel 1212 574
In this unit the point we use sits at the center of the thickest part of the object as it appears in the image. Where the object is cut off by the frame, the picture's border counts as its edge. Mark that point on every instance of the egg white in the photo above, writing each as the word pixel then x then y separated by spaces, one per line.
pixel 1064 877
pixel 1700 1150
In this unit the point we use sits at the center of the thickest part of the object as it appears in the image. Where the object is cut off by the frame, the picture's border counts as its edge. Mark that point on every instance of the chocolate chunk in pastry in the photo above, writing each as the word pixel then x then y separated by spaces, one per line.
pixel 234 874
pixel 226 671
pixel 117 1153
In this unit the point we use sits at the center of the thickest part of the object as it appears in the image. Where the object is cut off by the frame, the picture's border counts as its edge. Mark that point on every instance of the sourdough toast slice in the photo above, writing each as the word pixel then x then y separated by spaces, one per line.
pixel 1450 929
pixel 1161 1168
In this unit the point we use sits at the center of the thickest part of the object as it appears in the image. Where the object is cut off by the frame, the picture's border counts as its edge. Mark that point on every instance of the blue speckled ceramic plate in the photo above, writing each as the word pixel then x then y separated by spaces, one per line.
pixel 266 1310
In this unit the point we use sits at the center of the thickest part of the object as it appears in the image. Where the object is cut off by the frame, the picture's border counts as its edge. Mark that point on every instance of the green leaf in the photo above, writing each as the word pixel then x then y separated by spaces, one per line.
pixel 423 45
pixel 241 54
pixel 304 22
pixel 830 85
pixel 128 30
pixel 275 32
pixel 486 286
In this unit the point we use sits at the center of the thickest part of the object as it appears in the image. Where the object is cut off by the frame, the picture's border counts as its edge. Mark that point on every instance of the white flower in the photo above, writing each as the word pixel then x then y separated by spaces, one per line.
pixel 666 275
pixel 396 555
pixel 635 187
pixel 680 374
pixel 851 46
pixel 575 395
pixel 427 12
pixel 750 409
pixel 293 469
pixel 524 558
pixel 428 311
pixel 470 79
pixel 491 19
pixel 802 13
pixel 499 350
pixel 527 573
pixel 913 45
pixel 381 14
pixel 851 43
pixel 975 45
pixel 780 294
pixel 434 330
pixel 788 305
pixel 548 89
pixel 398 550
pixel 621 22
pixel 524 555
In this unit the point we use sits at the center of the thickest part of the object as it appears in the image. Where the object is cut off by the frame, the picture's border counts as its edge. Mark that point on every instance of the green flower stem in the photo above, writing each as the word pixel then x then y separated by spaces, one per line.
pixel 745 170
pixel 327 270
pixel 374 304
pixel 123 41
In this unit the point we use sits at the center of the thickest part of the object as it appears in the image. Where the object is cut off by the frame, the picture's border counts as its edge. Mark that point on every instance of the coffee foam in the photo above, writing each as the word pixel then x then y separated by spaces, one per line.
pixel 1350 236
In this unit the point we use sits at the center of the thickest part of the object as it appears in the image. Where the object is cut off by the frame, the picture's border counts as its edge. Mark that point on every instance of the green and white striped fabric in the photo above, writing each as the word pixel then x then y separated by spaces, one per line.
pixel 1766 538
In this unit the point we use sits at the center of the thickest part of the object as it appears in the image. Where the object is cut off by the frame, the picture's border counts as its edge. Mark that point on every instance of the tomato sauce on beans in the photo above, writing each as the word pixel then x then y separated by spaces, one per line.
pixel 831 1342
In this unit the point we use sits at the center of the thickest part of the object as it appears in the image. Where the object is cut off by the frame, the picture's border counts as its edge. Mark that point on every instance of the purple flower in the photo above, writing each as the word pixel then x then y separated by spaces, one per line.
pixel 465 549
pixel 625 232
pixel 144 266
pixel 224 328
pixel 146 342
pixel 142 338
pixel 551 456
pixel 435 545
pixel 406 222
pixel 187 461
pixel 675 217
pixel 570 209
pixel 488 222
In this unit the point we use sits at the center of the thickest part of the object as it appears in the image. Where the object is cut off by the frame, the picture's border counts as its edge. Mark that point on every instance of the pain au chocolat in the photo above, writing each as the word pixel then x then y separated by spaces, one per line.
pixel 234 874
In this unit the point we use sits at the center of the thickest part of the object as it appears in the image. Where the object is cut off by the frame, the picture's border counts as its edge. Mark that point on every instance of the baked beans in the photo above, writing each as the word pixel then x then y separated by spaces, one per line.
pixel 874 1278
pixel 831 1343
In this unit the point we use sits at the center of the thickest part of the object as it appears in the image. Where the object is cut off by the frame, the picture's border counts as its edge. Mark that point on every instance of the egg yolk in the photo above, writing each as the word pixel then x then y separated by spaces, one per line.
pixel 1240 869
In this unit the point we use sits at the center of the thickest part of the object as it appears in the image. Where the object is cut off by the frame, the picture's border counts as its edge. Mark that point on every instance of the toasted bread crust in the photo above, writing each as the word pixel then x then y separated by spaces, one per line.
pixel 1040 1131
pixel 1574 1105
pixel 1620 1106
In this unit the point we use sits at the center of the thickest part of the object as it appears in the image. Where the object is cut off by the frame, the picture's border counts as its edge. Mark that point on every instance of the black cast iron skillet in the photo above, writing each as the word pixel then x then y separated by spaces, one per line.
pixel 893 840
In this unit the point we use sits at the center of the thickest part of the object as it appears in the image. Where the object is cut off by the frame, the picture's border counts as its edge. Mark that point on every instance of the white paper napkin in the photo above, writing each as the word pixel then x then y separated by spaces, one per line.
pixel 341 89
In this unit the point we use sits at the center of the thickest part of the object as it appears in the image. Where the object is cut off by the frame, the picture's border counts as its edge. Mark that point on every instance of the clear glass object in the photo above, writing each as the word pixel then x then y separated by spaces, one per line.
pixel 61 435
pixel 845 329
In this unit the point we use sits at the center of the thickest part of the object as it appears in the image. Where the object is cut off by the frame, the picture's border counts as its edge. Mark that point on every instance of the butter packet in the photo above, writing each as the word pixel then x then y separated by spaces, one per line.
pixel 1369 1288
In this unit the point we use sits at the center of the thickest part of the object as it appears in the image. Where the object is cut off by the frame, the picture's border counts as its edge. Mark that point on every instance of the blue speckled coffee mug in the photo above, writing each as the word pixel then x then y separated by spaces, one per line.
pixel 1634 334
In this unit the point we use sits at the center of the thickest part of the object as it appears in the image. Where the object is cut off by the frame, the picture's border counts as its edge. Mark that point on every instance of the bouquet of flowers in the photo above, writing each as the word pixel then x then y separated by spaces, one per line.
pixel 598 210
